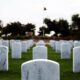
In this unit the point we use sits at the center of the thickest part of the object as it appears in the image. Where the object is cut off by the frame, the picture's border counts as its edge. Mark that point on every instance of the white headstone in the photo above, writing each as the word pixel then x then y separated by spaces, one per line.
pixel 5 43
pixel 76 43
pixel 24 46
pixel 52 43
pixel 11 41
pixel 0 41
pixel 40 52
pixel 57 46
pixel 3 58
pixel 65 51
pixel 40 69
pixel 76 59
pixel 72 43
pixel 41 42
pixel 16 50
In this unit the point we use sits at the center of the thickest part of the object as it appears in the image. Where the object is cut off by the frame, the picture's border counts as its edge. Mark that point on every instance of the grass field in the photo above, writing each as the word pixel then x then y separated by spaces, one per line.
pixel 14 72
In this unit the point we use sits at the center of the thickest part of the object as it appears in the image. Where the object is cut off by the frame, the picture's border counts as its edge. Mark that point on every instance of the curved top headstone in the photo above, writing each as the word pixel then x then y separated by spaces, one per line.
pixel 41 42
pixel 40 69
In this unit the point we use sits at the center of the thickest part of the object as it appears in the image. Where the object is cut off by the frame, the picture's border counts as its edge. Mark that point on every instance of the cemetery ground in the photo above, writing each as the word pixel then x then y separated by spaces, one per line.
pixel 14 72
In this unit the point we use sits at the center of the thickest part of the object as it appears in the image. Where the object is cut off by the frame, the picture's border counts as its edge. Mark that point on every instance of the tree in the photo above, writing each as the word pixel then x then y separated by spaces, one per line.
pixel 1 25
pixel 59 27
pixel 13 28
pixel 42 31
pixel 49 24
pixel 29 27
pixel 75 26
pixel 63 27
pixel 75 21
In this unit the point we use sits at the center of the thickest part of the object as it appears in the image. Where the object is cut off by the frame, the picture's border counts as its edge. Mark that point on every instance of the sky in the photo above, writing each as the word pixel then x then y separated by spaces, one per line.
pixel 32 10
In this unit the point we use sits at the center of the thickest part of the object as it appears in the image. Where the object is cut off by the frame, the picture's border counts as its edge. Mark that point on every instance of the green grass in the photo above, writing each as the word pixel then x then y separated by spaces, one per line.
pixel 14 72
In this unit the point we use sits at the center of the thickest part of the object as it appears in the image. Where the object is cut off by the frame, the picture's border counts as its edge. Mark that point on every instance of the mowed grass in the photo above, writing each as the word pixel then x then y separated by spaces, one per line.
pixel 14 72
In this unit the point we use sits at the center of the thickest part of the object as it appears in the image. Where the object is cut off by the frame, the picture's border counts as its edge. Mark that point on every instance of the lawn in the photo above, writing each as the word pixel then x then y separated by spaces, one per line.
pixel 14 72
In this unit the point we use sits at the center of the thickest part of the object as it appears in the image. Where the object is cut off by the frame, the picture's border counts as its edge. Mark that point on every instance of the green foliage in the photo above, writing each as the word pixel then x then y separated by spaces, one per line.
pixel 59 27
pixel 42 31
pixel 17 29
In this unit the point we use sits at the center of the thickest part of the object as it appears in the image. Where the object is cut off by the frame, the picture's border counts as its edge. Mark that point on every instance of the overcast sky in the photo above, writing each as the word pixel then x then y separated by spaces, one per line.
pixel 32 10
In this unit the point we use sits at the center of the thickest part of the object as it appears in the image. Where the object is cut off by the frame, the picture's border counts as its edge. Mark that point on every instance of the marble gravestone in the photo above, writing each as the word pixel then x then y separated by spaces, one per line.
pixel 76 43
pixel 24 46
pixel 76 59
pixel 5 43
pixel 57 46
pixel 41 42
pixel 65 51
pixel 0 41
pixel 40 52
pixel 16 50
pixel 10 43
pixel 52 43
pixel 3 58
pixel 40 69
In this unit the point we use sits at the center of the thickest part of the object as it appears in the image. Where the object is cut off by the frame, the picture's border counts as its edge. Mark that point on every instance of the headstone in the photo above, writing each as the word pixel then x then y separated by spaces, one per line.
pixel 76 59
pixel 76 43
pixel 40 52
pixel 24 46
pixel 41 42
pixel 40 69
pixel 5 43
pixel 0 41
pixel 11 41
pixel 16 50
pixel 57 46
pixel 3 58
pixel 72 43
pixel 65 51
pixel 52 43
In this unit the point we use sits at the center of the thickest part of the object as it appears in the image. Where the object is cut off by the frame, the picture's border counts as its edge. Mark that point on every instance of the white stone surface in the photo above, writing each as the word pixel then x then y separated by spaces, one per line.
pixel 76 43
pixel 72 43
pixel 52 44
pixel 40 52
pixel 16 50
pixel 5 43
pixel 57 46
pixel 29 44
pixel 65 51
pixel 3 58
pixel 76 59
pixel 24 46
pixel 40 69
pixel 0 41
pixel 41 42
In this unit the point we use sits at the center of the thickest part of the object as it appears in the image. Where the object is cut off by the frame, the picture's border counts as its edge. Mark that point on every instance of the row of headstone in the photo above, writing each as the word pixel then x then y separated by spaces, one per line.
pixel 66 51
pixel 16 52
pixel 62 47
pixel 40 68
pixel 17 47
pixel 53 43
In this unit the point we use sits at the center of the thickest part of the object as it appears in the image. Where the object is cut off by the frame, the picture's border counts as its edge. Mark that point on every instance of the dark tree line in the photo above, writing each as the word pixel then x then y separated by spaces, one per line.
pixel 62 27
pixel 16 28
